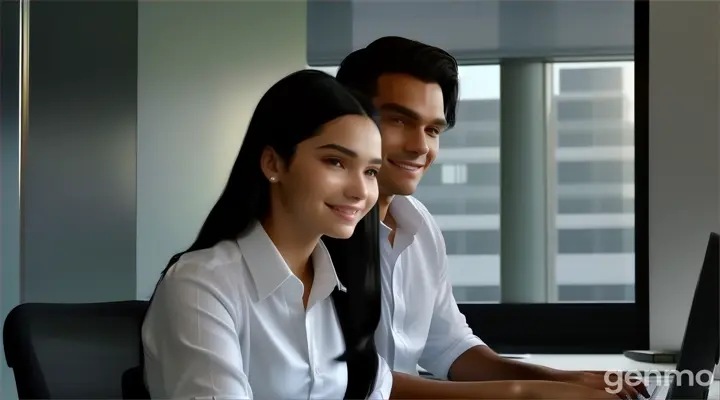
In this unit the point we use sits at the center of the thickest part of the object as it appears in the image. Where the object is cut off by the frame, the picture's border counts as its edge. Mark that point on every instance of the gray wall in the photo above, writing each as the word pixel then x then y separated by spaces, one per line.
pixel 202 67
pixel 684 157
pixel 78 171
pixel 9 170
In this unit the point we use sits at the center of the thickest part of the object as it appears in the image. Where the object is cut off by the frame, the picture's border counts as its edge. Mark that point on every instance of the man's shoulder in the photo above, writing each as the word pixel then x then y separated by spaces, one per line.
pixel 429 225
pixel 419 206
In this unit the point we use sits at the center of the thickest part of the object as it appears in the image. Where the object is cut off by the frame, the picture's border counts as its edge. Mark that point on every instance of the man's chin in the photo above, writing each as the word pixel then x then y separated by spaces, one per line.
pixel 403 189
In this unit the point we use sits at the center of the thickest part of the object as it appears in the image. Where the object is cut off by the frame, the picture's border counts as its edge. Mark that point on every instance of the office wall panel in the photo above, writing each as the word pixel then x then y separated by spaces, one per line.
pixel 202 68
pixel 79 163
pixel 684 158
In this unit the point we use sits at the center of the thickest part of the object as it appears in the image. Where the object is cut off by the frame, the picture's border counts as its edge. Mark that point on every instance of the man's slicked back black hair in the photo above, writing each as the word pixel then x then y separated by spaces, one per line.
pixel 361 69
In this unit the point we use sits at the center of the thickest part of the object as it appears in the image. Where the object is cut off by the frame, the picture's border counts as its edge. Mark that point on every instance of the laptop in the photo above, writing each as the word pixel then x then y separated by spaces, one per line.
pixel 701 343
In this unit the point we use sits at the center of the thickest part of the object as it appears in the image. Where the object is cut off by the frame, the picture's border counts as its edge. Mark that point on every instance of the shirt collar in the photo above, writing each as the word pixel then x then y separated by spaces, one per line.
pixel 269 270
pixel 326 279
pixel 406 214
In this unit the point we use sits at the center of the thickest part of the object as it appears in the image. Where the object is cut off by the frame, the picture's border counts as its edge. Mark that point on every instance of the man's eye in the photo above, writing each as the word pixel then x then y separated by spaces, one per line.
pixel 334 162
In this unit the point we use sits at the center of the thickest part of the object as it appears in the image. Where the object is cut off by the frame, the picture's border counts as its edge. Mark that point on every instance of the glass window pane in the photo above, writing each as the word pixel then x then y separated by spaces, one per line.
pixel 469 186
pixel 596 175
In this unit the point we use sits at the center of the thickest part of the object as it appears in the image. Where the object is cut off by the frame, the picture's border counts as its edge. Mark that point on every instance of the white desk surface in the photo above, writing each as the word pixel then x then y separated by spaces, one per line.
pixel 605 362
pixel 594 362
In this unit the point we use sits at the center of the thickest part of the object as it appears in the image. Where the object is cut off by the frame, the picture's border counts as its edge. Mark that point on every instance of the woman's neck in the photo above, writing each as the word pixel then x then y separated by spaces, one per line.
pixel 293 244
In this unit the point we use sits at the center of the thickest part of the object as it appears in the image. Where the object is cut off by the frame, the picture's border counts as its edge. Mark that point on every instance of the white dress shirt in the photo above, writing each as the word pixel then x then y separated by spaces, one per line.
pixel 229 323
pixel 421 323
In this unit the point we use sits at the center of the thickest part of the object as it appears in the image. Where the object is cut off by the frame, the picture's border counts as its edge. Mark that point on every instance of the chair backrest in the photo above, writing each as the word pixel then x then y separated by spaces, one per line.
pixel 74 351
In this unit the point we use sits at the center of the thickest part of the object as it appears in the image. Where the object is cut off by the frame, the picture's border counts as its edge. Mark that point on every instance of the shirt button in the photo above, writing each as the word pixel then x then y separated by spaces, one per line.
pixel 317 371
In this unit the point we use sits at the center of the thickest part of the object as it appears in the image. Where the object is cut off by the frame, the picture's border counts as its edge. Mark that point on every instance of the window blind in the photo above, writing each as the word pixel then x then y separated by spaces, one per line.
pixel 475 31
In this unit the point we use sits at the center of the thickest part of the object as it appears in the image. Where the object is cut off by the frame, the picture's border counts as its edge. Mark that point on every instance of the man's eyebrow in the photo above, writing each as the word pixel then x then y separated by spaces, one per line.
pixel 400 109
pixel 347 152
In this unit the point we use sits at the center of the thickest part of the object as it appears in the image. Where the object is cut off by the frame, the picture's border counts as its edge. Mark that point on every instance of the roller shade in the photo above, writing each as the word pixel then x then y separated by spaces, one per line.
pixel 474 31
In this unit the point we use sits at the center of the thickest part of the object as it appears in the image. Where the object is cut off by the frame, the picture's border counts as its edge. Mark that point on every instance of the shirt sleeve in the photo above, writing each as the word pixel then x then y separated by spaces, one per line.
pixel 449 335
pixel 194 335
pixel 383 383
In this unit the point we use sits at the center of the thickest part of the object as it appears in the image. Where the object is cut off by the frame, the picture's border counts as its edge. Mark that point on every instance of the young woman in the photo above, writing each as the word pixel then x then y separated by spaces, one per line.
pixel 259 306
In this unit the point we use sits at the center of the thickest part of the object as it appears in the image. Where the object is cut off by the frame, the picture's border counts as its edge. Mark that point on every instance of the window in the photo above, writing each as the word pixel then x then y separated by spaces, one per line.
pixel 594 165
pixel 594 256
pixel 595 181
pixel 467 212
pixel 454 174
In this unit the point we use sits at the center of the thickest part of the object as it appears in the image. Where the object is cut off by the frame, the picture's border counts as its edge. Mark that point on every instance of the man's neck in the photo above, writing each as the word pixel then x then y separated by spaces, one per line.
pixel 384 204
pixel 386 217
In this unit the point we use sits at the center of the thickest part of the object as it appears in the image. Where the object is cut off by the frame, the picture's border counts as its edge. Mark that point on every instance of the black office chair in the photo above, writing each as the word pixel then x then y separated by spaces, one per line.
pixel 76 351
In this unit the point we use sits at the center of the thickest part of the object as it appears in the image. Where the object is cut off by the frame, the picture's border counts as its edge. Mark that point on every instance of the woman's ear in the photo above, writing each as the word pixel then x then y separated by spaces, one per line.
pixel 271 164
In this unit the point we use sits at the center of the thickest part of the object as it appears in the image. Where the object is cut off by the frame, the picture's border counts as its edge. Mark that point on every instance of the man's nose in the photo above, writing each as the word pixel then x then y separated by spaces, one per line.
pixel 417 142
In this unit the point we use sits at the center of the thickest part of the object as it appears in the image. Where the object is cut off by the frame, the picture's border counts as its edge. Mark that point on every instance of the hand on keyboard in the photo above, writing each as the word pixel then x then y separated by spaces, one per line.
pixel 613 382
pixel 548 390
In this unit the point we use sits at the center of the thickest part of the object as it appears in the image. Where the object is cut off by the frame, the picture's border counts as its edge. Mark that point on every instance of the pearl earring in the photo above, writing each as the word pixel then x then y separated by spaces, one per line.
pixel 273 179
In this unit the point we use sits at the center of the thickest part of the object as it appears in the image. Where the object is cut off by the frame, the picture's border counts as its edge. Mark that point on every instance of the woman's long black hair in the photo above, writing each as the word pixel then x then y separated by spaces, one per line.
pixel 293 110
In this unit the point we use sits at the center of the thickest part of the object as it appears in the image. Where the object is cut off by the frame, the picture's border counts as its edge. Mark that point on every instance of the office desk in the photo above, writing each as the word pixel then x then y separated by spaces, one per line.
pixel 594 362
pixel 605 362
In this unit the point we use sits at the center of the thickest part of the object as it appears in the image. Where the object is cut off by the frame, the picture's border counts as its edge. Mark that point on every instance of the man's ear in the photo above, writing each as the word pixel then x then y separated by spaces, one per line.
pixel 271 164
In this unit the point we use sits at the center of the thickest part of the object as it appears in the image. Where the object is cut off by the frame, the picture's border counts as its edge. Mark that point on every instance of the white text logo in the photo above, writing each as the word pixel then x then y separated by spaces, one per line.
pixel 615 380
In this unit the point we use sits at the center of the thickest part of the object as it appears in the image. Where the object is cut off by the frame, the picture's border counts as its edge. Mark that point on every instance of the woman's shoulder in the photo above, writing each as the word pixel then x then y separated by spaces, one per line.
pixel 216 266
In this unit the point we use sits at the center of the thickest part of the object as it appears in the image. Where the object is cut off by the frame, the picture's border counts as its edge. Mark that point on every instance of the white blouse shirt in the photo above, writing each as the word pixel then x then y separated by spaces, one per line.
pixel 229 323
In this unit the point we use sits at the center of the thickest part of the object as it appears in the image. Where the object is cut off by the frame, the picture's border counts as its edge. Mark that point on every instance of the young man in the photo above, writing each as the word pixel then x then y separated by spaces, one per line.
pixel 415 88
